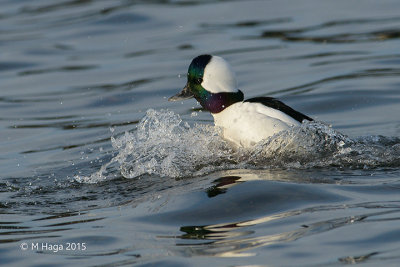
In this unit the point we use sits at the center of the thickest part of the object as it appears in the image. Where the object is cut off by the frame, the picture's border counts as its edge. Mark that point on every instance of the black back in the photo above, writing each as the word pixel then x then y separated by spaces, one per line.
pixel 276 104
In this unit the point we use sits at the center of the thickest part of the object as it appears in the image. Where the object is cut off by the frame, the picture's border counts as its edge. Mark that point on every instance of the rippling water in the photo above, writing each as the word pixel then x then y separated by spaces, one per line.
pixel 99 169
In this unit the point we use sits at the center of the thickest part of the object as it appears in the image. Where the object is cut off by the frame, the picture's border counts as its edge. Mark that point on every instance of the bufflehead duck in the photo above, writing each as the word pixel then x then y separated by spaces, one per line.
pixel 212 82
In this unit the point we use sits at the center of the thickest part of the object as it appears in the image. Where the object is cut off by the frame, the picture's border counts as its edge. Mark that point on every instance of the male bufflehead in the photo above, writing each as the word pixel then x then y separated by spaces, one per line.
pixel 212 82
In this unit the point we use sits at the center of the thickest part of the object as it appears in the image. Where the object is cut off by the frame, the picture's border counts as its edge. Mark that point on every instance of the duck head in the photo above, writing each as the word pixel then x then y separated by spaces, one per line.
pixel 211 81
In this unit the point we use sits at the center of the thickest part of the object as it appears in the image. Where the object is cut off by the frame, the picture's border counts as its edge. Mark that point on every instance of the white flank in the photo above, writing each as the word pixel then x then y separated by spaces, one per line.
pixel 246 124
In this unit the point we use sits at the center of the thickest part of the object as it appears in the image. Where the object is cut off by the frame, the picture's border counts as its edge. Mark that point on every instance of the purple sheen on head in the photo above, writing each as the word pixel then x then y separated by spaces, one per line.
pixel 217 102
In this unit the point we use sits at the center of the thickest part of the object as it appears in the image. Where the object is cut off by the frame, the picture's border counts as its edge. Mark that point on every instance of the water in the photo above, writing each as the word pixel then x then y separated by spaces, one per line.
pixel 99 169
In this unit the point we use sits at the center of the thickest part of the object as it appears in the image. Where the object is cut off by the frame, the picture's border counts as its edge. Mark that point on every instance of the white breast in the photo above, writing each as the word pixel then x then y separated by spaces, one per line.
pixel 246 124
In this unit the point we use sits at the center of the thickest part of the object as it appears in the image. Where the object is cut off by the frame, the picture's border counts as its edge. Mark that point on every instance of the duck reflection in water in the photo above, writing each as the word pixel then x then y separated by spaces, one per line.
pixel 274 205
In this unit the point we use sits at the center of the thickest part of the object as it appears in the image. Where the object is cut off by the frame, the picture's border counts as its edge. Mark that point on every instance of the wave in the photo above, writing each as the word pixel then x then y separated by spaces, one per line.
pixel 166 146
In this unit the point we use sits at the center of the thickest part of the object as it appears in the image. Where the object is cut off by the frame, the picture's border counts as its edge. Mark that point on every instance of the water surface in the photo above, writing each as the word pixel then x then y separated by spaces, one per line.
pixel 99 169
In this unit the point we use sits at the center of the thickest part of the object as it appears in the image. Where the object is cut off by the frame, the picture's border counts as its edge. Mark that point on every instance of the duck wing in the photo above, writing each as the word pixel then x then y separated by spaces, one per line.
pixel 276 104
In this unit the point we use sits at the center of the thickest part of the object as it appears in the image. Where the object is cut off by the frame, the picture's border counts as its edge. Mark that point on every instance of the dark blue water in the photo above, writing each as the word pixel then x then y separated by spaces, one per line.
pixel 97 168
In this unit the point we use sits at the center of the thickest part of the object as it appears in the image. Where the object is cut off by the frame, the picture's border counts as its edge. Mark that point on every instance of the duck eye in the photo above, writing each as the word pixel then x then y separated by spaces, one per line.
pixel 199 80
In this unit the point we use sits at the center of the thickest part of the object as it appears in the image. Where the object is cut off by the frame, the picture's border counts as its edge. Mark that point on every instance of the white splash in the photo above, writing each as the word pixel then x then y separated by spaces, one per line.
pixel 165 146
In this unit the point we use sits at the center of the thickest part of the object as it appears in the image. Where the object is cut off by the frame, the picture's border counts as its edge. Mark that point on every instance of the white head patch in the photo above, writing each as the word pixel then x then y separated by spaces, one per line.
pixel 219 77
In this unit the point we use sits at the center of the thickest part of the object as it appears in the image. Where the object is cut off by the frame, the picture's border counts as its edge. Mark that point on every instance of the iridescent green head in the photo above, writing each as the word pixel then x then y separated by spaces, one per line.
pixel 212 82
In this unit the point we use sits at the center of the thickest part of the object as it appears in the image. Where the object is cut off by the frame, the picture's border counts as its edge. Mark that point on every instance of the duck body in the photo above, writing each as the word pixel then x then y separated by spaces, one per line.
pixel 244 123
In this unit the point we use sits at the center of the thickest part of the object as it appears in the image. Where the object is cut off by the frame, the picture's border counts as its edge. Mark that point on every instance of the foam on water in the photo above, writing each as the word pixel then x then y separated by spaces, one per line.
pixel 165 146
